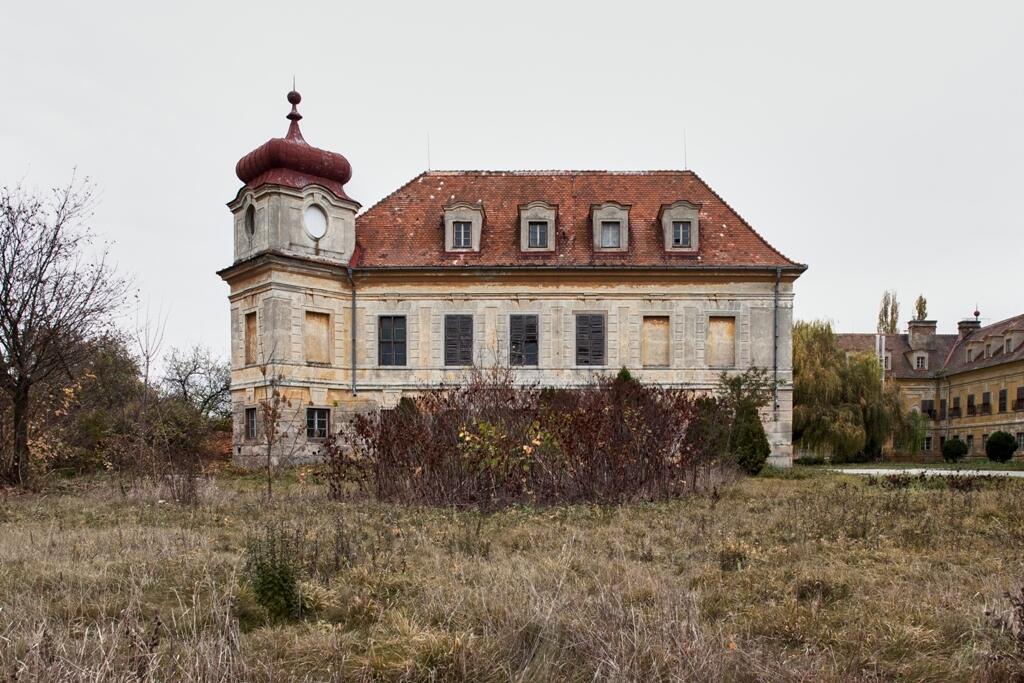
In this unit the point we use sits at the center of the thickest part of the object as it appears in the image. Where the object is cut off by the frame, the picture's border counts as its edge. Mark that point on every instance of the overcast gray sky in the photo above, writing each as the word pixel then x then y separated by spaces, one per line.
pixel 882 143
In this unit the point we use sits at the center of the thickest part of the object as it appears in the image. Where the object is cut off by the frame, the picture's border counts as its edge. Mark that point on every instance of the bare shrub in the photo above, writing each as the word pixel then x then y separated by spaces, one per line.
pixel 490 443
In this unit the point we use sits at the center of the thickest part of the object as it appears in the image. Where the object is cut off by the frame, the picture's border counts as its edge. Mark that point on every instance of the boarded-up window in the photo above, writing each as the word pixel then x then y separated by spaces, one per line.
pixel 318 337
pixel 458 340
pixel 721 346
pixel 589 339
pixel 250 338
pixel 522 333
pixel 654 345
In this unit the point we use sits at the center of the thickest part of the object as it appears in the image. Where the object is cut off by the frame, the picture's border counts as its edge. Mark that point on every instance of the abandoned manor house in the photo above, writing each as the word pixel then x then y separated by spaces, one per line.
pixel 966 385
pixel 560 275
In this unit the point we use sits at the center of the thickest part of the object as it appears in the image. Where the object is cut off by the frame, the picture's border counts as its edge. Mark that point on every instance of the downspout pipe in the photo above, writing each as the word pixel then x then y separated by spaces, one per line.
pixel 775 347
pixel 352 287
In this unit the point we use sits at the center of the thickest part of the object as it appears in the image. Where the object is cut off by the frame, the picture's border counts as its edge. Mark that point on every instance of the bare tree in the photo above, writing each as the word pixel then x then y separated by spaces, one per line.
pixel 200 379
pixel 53 298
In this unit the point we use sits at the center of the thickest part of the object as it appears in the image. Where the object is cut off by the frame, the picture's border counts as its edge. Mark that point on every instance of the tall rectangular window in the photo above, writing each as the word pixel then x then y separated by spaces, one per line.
pixel 391 340
pixel 942 409
pixel 721 344
pixel 970 443
pixel 538 235
pixel 590 340
pixel 463 234
pixel 1002 400
pixel 522 339
pixel 1020 440
pixel 927 443
pixel 956 407
pixel 681 234
pixel 611 232
pixel 1019 403
pixel 317 337
pixel 986 402
pixel 971 408
pixel 250 338
pixel 458 340
pixel 654 347
pixel 317 420
pixel 250 424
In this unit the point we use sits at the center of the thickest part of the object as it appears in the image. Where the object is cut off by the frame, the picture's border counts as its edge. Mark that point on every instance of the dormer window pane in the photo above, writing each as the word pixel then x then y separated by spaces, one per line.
pixel 681 234
pixel 538 235
pixel 610 234
pixel 462 238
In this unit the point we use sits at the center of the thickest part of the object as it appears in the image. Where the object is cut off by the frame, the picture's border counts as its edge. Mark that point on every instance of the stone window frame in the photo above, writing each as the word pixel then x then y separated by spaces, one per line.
pixel 610 211
pixel 920 361
pixel 458 359
pixel 537 211
pixel 467 212
pixel 313 196
pixel 681 210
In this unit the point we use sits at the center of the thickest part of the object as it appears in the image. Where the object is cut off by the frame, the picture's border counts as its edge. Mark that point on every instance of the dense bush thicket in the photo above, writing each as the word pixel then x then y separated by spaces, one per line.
pixel 490 443
pixel 1000 446
pixel 954 449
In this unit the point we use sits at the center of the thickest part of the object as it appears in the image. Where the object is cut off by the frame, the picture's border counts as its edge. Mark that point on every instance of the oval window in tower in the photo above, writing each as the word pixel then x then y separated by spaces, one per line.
pixel 315 221
pixel 250 221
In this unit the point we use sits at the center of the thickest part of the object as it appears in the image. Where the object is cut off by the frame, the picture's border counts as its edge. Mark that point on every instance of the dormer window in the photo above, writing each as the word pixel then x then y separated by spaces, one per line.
pixel 537 226
pixel 679 225
pixel 611 234
pixel 463 235
pixel 611 226
pixel 463 223
pixel 970 355
pixel 921 362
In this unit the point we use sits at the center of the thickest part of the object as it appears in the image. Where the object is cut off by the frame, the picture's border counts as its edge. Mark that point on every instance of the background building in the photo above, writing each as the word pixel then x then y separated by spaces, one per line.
pixel 967 385
pixel 562 275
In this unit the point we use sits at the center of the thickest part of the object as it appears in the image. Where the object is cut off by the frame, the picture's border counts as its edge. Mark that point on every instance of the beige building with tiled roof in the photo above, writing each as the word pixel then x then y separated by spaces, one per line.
pixel 968 384
pixel 560 275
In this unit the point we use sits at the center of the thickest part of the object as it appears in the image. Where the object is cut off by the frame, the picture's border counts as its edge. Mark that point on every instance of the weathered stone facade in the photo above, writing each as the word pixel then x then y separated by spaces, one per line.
pixel 309 310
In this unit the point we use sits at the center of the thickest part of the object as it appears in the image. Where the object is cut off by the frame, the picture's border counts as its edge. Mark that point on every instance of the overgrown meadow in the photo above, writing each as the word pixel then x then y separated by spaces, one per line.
pixel 803 576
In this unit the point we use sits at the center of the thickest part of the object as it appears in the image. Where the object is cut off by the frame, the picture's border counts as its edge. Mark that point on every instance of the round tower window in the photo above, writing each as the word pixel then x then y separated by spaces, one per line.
pixel 250 221
pixel 315 220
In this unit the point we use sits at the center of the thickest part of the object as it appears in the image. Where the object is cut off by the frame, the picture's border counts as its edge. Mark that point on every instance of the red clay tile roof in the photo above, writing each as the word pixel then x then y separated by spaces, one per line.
pixel 947 353
pixel 405 229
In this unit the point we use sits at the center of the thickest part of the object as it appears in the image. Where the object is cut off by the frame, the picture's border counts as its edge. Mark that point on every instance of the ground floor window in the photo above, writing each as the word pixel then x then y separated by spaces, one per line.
pixel 1020 440
pixel 927 443
pixel 250 424
pixel 317 420
pixel 970 442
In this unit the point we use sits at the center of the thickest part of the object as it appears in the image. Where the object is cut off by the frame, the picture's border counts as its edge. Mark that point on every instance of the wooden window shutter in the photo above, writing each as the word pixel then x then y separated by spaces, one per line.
pixel 523 340
pixel 458 340
pixel 589 339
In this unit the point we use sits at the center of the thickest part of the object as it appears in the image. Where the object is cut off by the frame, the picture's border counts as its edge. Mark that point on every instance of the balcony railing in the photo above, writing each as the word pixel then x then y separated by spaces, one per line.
pixel 986 408
pixel 930 414
pixel 1018 404
pixel 972 410
pixel 954 412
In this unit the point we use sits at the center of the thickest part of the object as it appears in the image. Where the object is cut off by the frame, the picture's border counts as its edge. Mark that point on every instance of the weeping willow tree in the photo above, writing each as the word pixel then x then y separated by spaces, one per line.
pixel 841 405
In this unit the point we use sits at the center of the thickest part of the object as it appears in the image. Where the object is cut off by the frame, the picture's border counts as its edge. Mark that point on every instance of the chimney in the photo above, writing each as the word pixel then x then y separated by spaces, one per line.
pixel 967 326
pixel 922 333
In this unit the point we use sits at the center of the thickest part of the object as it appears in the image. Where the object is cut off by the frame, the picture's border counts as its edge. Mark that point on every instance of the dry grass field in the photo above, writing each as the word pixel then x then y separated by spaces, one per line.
pixel 809 576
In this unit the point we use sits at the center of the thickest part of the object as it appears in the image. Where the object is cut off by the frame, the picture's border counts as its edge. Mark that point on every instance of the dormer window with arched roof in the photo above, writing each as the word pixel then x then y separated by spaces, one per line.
pixel 611 226
pixel 463 224
pixel 537 226
pixel 680 226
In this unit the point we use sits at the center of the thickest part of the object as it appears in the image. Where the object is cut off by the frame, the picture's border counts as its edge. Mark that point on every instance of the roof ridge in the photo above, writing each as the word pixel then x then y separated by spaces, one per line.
pixel 555 172
pixel 393 193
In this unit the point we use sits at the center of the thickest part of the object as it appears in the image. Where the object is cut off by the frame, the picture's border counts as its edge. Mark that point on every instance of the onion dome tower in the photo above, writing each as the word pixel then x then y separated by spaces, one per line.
pixel 293 202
